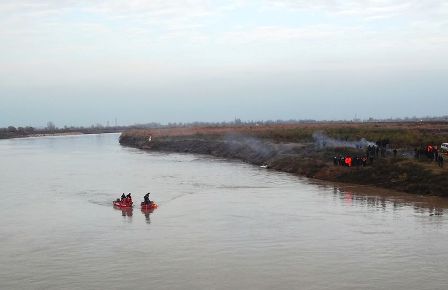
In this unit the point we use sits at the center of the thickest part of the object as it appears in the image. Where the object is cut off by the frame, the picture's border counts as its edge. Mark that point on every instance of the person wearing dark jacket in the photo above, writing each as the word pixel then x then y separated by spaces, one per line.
pixel 440 161
pixel 129 198
pixel 146 198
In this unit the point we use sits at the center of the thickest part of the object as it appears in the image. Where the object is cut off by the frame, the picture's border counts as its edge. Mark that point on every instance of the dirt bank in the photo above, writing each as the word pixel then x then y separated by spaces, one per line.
pixel 297 156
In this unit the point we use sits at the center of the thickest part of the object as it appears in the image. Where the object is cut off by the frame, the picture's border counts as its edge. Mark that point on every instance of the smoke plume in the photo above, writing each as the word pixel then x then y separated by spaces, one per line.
pixel 323 141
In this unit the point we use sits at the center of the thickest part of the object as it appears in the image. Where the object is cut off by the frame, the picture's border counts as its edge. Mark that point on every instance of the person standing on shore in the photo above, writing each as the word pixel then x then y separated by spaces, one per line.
pixel 364 161
pixel 440 161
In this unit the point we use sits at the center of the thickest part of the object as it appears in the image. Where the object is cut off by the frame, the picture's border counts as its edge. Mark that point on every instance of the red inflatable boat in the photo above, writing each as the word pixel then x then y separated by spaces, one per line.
pixel 149 206
pixel 123 204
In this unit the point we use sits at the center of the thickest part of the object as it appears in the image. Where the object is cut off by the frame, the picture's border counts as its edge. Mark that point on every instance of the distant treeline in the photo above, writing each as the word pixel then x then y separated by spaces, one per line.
pixel 13 132
pixel 343 132
pixel 238 121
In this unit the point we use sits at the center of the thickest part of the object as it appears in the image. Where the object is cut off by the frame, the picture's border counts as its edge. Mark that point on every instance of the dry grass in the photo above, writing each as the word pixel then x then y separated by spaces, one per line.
pixel 401 135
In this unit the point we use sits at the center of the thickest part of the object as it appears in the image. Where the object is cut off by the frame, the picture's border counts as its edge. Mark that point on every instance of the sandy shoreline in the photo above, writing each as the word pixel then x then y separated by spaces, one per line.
pixel 56 134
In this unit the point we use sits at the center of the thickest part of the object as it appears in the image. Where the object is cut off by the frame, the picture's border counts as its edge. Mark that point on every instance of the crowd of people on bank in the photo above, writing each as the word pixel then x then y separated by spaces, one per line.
pixel 376 151
pixel 430 152
pixel 373 152
pixel 350 161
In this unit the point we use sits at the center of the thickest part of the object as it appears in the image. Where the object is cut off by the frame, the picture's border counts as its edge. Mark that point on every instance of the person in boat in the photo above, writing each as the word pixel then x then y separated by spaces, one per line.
pixel 123 197
pixel 129 198
pixel 146 198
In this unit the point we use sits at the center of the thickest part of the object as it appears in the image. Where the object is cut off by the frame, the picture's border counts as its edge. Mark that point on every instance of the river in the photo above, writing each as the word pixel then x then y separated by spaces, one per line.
pixel 220 224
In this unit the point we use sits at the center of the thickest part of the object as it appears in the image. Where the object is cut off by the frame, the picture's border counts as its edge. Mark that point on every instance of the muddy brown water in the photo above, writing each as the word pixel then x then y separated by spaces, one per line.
pixel 220 224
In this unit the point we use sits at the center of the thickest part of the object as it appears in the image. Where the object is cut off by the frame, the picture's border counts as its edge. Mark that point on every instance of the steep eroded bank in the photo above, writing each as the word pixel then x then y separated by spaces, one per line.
pixel 300 158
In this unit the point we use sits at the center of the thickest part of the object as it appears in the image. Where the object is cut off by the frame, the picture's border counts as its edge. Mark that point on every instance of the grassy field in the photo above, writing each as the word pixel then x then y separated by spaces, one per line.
pixel 400 135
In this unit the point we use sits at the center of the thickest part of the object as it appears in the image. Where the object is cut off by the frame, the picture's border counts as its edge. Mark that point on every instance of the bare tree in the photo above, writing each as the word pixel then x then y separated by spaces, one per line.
pixel 51 126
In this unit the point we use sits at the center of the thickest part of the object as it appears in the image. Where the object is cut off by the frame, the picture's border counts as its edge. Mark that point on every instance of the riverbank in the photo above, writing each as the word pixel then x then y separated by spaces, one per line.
pixel 254 228
pixel 292 149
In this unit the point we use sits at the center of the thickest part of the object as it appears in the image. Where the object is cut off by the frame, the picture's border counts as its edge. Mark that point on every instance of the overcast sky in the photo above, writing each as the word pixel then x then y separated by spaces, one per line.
pixel 78 62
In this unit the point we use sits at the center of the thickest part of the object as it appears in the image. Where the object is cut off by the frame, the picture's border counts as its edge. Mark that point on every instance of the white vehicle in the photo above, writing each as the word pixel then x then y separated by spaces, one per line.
pixel 444 147
pixel 444 151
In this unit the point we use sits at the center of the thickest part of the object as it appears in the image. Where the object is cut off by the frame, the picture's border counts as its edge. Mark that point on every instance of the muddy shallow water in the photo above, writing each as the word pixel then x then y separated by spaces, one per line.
pixel 220 224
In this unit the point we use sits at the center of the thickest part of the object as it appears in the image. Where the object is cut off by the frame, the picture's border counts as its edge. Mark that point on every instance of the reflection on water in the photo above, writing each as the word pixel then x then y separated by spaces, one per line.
pixel 128 212
pixel 125 212
pixel 223 225
pixel 147 213
pixel 393 201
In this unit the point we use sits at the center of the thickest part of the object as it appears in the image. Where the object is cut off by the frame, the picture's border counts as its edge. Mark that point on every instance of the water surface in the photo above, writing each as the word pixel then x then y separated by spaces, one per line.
pixel 220 224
